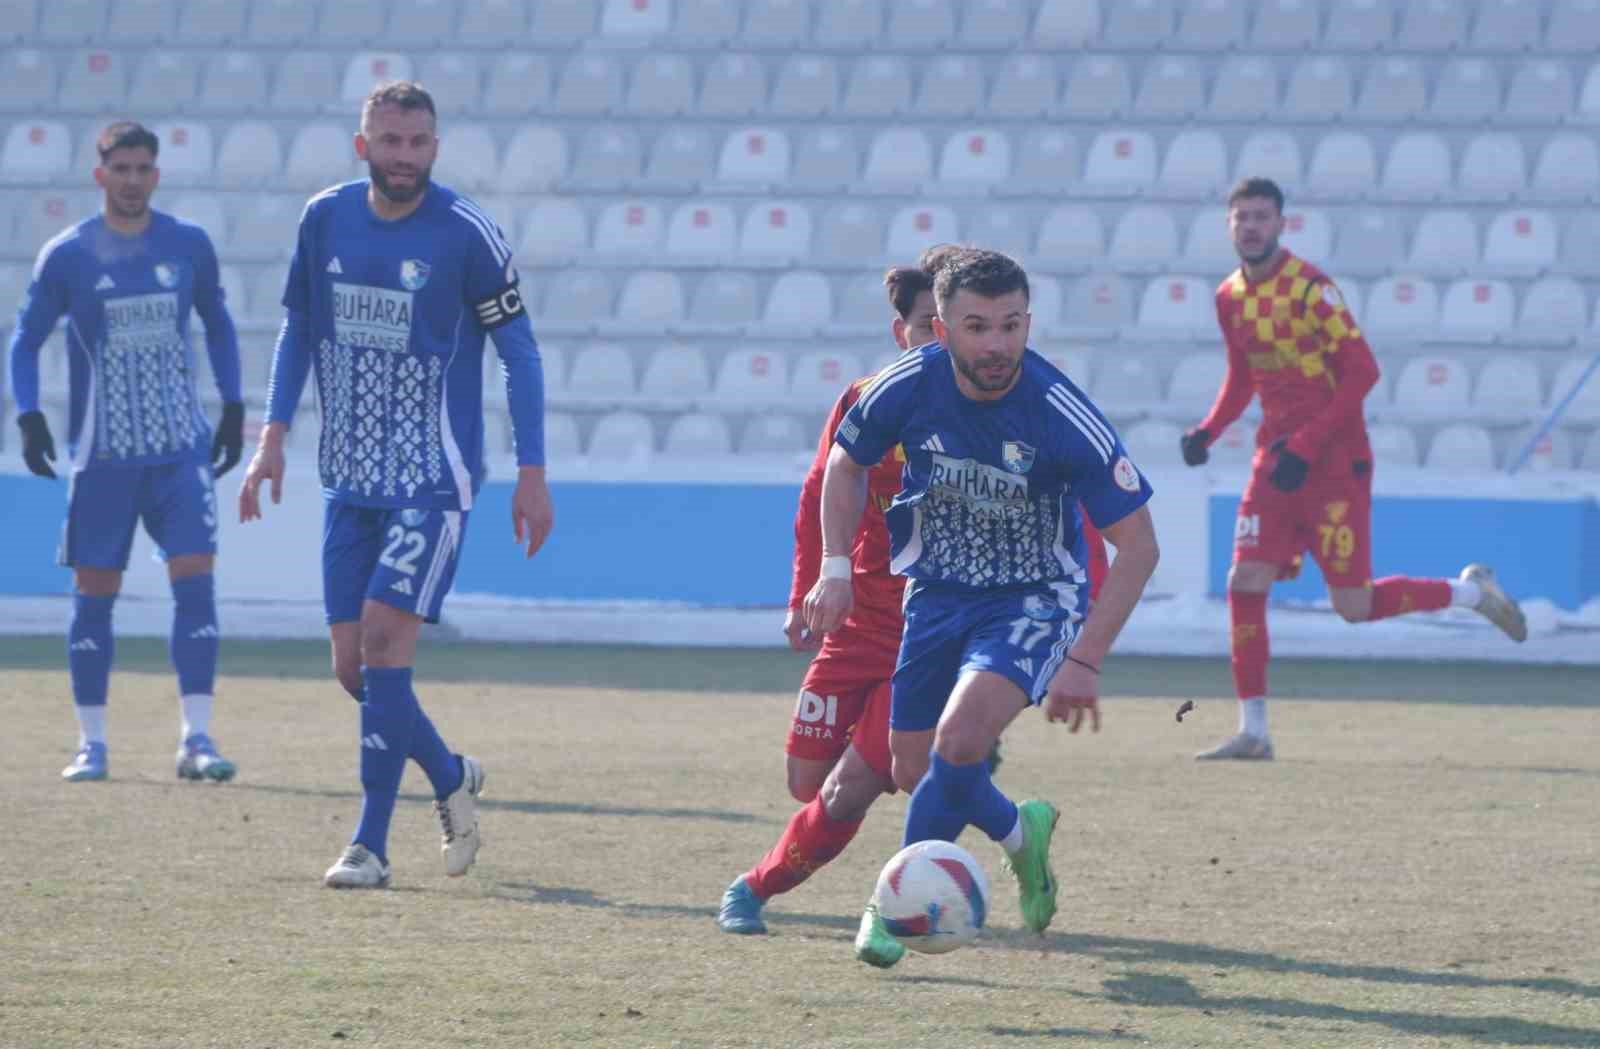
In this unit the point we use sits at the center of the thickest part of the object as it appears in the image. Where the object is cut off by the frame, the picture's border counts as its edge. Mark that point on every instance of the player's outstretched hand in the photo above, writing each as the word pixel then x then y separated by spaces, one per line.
pixel 1074 691
pixel 1289 472
pixel 1194 446
pixel 532 512
pixel 794 628
pixel 828 606
pixel 265 465
pixel 228 445
pixel 38 447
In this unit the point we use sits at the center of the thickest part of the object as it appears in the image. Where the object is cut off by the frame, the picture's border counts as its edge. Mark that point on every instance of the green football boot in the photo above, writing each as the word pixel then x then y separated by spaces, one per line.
pixel 874 945
pixel 1030 865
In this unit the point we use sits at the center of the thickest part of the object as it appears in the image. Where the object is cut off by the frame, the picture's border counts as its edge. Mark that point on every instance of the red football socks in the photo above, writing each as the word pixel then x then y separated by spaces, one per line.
pixel 1248 613
pixel 1398 595
pixel 810 840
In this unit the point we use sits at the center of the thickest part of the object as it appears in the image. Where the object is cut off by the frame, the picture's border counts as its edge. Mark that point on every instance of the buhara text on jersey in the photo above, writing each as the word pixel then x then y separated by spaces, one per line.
pixel 145 401
pixel 977 525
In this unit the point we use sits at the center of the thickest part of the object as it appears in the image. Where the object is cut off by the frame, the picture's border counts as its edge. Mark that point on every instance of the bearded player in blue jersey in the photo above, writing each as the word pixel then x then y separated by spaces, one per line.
pixel 394 286
pixel 1001 449
pixel 139 444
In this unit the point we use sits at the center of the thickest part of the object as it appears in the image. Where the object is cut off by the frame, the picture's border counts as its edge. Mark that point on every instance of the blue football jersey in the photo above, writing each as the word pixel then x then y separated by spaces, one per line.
pixel 395 314
pixel 992 488
pixel 132 397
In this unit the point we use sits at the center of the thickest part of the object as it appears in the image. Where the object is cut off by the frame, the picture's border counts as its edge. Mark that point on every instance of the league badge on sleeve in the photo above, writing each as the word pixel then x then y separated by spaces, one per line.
pixel 1017 456
pixel 1125 474
pixel 414 274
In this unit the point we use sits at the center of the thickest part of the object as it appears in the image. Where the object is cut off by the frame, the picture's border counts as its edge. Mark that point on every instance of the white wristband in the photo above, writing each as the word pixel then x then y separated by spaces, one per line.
pixel 836 567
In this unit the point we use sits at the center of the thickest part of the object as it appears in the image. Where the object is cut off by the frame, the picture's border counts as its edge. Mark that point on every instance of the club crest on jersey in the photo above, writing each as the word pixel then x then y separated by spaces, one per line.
pixel 166 275
pixel 414 274
pixel 1037 606
pixel 1017 456
pixel 413 518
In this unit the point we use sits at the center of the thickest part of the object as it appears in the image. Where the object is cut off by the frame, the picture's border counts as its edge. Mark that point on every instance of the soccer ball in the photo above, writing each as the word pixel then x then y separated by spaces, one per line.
pixel 933 897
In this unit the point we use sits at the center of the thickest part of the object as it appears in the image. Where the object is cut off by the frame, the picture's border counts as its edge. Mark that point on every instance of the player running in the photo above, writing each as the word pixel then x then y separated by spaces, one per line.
pixel 394 285
pixel 1291 339
pixel 140 446
pixel 1000 447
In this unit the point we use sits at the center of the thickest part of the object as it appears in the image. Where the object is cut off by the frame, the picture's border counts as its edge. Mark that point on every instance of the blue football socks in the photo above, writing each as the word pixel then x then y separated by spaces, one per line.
pixel 195 638
pixel 388 720
pixel 90 648
pixel 428 750
pixel 952 796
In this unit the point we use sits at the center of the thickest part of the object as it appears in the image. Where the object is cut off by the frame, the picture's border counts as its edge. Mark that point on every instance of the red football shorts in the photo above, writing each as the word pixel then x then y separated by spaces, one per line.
pixel 844 701
pixel 1330 515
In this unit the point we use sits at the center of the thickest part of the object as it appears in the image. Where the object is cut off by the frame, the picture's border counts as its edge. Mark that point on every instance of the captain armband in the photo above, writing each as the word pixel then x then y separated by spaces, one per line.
pixel 502 307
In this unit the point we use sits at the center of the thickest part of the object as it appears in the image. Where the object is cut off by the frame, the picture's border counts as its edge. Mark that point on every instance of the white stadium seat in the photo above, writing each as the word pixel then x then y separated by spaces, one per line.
pixel 1196 165
pixel 35 150
pixel 1099 304
pixel 1467 92
pixel 772 435
pixel 454 80
pixel 368 69
pixel 1098 88
pixel 754 155
pixel 776 23
pixel 807 86
pixel 32 76
pixel 975 156
pixel 662 86
pixel 1591 454
pixel 1461 448
pixel 1045 158
pixel 1072 234
pixel 306 82
pixel 1554 310
pixel 1177 308
pixel 1506 25
pixel 1066 23
pixel 1234 446
pixel 914 229
pixel 800 302
pixel 1446 243
pixel 1520 243
pixel 163 81
pixel 590 85
pixel 622 438
pixel 1273 154
pixel 1209 246
pixel 1075 362
pixel 827 159
pixel 1568 168
pixel 1343 163
pixel 734 86
pixel 1195 382
pixel 1246 88
pixel 1285 25
pixel 264 227
pixel 701 230
pixel 518 84
pixel 1493 166
pixel 750 380
pixel 1369 242
pixel 899 155
pixel 1138 25
pixel 535 159
pixel 1406 306
pixel 681 159
pixel 651 300
pixel 1585 407
pixel 233 80
pixel 573 302
pixel 1573 27
pixel 1477 310
pixel 631 228
pixel 775 231
pixel 1320 88
pixel 355 21
pixel 468 159
pixel 1393 89
pixel 320 153
pixel 675 376
pixel 94 82
pixel 821 376
pixel 1393 445
pixel 1508 390
pixel 205 210
pixel 204 22
pixel 1001 227
pixel 1024 87
pixel 141 21
pixel 952 86
pixel 1145 240
pixel 1127 387
pixel 1174 88
pixel 880 86
pixel 1580 243
pixel 1308 233
pixel 1152 442
pixel 724 303
pixel 1589 100
pixel 558 22
pixel 850 233
pixel 698 435
pixel 635 18
pixel 557 230
pixel 561 442
pixel 1045 303
pixel 848 23
pixel 1211 25
pixel 1418 167
pixel 1541 91
pixel 277 22
pixel 420 24
pixel 1433 387
pixel 993 24
pixel 601 372
pixel 1552 451
pixel 266 293
pixel 1121 161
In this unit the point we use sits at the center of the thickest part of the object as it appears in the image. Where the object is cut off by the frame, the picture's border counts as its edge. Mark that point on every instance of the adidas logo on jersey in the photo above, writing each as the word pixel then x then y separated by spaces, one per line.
pixel 933 444
pixel 401 586
pixel 334 267
pixel 373 741
pixel 105 283
pixel 85 645
pixel 1025 664
pixel 209 630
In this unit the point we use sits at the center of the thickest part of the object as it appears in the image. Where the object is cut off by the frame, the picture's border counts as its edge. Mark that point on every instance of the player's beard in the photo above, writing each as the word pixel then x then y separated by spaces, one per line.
pixel 399 194
pixel 982 382
pixel 1267 251
pixel 126 209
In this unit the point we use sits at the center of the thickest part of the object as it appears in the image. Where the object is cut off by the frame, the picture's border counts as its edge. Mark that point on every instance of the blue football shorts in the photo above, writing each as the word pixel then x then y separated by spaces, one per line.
pixel 1021 634
pixel 403 558
pixel 176 501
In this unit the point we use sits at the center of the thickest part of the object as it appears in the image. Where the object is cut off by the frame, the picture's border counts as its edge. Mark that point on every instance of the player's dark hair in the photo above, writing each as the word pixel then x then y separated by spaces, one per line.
pixel 980 271
pixel 405 94
pixel 126 134
pixel 904 284
pixel 1256 187
pixel 932 259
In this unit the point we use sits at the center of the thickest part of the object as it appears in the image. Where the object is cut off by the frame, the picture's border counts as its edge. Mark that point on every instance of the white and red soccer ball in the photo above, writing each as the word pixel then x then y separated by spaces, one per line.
pixel 933 897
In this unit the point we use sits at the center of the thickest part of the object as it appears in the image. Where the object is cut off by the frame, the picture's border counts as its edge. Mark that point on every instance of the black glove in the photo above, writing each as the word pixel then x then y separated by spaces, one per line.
pixel 37 444
pixel 1289 472
pixel 228 444
pixel 1194 447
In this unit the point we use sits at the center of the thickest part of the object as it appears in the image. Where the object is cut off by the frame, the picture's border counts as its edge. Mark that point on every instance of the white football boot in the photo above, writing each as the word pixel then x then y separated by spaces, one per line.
pixel 1496 605
pixel 458 819
pixel 1242 747
pixel 357 868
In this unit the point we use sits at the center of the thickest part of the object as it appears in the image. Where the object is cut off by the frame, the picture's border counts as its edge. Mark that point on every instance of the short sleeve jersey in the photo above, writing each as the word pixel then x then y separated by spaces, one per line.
pixel 396 316
pixel 132 398
pixel 991 488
